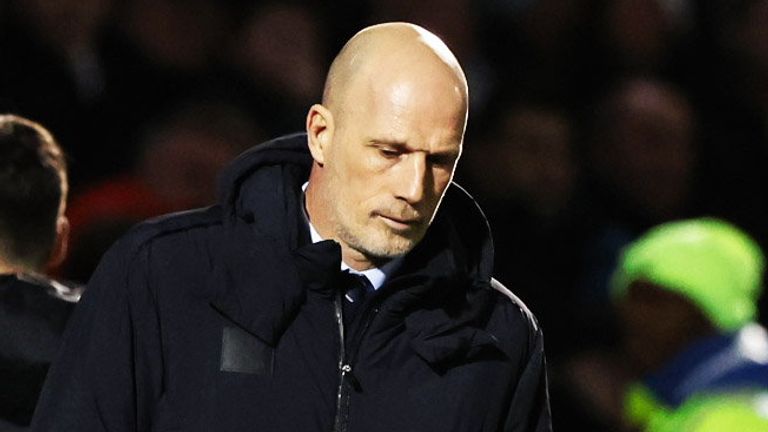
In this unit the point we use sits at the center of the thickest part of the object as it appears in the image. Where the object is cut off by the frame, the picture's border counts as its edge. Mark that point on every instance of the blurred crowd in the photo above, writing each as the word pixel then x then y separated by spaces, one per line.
pixel 590 122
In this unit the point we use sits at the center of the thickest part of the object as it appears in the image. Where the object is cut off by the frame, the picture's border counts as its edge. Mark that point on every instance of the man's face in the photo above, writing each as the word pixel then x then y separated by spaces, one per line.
pixel 392 157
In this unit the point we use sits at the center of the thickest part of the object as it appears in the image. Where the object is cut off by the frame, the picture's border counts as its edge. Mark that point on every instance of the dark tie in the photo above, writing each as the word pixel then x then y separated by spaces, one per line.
pixel 356 289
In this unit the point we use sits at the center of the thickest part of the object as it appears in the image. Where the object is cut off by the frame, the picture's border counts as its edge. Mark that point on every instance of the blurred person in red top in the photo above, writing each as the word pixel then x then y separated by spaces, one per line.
pixel 180 158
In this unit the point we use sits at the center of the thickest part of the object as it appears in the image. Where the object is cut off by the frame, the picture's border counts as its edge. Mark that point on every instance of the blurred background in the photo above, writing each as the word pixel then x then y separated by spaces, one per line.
pixel 590 121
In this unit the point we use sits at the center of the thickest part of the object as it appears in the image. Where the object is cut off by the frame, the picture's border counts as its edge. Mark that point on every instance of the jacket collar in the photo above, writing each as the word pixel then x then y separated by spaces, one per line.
pixel 260 276
pixel 445 300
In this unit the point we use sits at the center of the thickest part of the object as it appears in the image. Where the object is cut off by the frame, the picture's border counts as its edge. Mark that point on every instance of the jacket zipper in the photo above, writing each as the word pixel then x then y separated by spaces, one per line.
pixel 345 363
pixel 340 423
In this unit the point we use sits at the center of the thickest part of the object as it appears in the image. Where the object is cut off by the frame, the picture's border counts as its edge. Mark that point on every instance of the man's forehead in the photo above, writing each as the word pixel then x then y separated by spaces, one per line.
pixel 407 128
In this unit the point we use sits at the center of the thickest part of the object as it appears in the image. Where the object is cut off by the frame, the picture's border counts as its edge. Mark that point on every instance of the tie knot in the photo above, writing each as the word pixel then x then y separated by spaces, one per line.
pixel 356 286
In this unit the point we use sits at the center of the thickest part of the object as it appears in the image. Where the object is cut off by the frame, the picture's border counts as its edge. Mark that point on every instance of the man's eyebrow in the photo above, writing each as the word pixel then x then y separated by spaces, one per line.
pixel 445 156
pixel 388 142
pixel 403 146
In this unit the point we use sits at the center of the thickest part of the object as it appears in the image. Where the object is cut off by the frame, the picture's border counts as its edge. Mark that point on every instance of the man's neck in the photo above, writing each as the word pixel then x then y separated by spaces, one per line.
pixel 354 261
pixel 351 258
pixel 376 271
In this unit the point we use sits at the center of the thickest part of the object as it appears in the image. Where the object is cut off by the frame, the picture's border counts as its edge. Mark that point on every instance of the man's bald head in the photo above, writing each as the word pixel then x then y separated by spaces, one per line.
pixel 385 141
pixel 384 51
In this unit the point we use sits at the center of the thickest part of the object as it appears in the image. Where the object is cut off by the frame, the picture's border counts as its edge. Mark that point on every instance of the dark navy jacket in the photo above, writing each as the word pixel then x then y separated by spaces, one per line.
pixel 227 319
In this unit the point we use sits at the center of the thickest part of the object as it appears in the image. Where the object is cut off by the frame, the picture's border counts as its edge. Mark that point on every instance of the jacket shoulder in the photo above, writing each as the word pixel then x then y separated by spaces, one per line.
pixel 171 227
pixel 175 232
pixel 512 322
pixel 174 223
pixel 516 304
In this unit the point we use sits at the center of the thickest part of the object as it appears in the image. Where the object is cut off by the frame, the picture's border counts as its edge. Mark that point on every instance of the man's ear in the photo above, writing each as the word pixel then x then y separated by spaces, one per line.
pixel 60 245
pixel 320 130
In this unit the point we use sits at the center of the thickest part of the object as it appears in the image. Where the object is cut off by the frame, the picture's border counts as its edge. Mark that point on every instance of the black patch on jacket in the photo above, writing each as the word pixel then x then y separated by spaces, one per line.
pixel 244 353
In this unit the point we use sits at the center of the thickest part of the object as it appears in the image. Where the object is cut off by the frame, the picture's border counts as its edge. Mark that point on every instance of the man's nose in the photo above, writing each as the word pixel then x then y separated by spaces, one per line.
pixel 412 181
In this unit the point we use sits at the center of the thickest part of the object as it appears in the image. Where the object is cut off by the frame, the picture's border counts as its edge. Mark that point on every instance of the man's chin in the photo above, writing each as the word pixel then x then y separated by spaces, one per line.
pixel 385 251
pixel 385 254
pixel 382 244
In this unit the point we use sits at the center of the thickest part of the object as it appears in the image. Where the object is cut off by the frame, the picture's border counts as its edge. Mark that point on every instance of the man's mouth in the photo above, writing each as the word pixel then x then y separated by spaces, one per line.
pixel 400 223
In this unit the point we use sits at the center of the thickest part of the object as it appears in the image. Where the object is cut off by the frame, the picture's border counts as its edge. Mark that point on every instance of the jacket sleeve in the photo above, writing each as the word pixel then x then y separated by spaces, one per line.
pixel 108 373
pixel 529 410
pixel 529 406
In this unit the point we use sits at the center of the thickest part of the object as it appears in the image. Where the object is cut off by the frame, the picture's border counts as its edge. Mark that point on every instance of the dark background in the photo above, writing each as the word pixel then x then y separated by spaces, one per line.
pixel 590 121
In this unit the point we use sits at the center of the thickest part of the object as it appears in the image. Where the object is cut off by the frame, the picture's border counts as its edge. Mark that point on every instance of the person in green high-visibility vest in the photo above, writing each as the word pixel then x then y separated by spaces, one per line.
pixel 686 294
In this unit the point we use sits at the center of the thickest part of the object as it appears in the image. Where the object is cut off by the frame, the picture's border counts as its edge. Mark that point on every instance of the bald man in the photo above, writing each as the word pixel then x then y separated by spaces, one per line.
pixel 341 283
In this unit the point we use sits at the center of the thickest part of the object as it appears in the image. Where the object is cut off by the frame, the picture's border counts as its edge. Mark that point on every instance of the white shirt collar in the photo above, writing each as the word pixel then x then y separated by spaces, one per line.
pixel 377 275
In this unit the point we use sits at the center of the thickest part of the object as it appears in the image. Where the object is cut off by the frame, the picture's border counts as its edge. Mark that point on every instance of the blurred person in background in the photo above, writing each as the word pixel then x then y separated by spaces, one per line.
pixel 641 160
pixel 279 56
pixel 530 160
pixel 643 150
pixel 158 53
pixel 686 294
pixel 733 94
pixel 644 36
pixel 33 236
pixel 640 169
pixel 181 154
pixel 538 50
pixel 176 38
pixel 54 70
pixel 691 357
pixel 525 173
